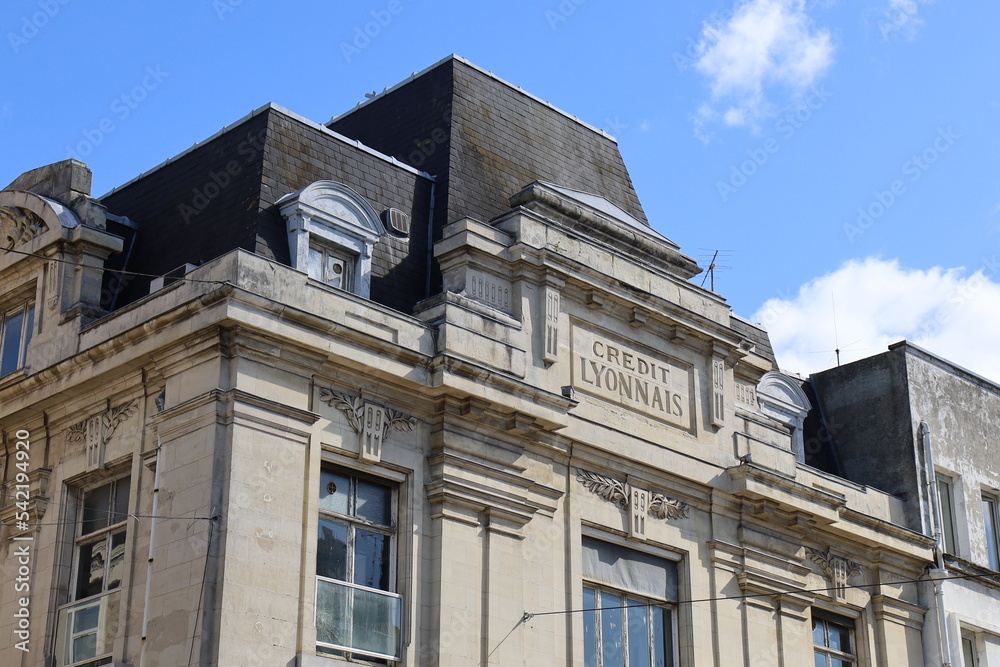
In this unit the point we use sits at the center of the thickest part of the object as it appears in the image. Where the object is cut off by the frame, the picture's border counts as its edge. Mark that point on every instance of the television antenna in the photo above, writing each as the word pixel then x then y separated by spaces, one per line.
pixel 715 264
pixel 836 336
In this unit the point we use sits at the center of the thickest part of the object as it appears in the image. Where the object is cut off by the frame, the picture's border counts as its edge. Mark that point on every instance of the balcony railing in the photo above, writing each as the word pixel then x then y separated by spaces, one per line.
pixel 357 619
pixel 86 629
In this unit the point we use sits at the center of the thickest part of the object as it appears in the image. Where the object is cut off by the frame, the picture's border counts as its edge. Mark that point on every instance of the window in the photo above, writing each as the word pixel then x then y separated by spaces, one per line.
pixel 970 657
pixel 620 629
pixel 330 266
pixel 628 619
pixel 86 624
pixel 833 640
pixel 332 231
pixel 16 325
pixel 357 614
pixel 991 522
pixel 946 502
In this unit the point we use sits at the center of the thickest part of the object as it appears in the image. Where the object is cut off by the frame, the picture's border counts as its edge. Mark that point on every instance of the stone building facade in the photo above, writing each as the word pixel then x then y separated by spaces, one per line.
pixel 924 429
pixel 421 386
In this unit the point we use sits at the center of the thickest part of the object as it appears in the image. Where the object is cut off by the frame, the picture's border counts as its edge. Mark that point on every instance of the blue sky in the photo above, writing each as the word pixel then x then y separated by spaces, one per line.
pixel 845 154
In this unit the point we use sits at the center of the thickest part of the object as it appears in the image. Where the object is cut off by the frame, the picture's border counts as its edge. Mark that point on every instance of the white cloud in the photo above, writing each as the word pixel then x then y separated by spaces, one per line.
pixel 765 47
pixel 901 17
pixel 953 313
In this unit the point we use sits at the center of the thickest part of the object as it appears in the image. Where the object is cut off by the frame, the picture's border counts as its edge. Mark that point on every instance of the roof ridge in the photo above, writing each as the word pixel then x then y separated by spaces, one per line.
pixel 468 63
pixel 270 106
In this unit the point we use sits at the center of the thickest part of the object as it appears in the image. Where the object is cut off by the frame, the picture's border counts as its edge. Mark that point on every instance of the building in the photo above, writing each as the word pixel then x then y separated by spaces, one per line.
pixel 420 386
pixel 924 429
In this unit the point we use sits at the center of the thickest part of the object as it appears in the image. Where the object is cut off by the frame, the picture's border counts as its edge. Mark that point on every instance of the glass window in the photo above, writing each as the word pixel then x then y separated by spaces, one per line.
pixel 357 614
pixel 946 500
pixel 100 548
pixel 991 523
pixel 331 266
pixel 16 325
pixel 970 657
pixel 102 517
pixel 833 641
pixel 620 630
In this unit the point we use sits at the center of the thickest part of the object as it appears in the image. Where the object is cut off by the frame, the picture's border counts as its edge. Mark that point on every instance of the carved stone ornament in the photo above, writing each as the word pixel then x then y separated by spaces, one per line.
pixel 837 569
pixel 19 225
pixel 96 431
pixel 369 420
pixel 639 503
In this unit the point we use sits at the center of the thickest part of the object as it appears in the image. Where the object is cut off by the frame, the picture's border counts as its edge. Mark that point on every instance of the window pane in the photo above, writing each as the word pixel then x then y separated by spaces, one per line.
pixel 990 524
pixel 820 660
pixel 612 642
pixel 11 342
pixel 29 326
pixel 841 663
pixel 90 570
pixel 334 492
pixel 333 614
pixel 968 652
pixel 117 564
pixel 86 619
pixel 331 550
pixel 947 526
pixel 840 638
pixel 334 271
pixel 663 638
pixel 638 634
pixel 589 628
pixel 373 502
pixel 819 632
pixel 376 623
pixel 315 265
pixel 96 509
pixel 121 500
pixel 84 647
pixel 371 559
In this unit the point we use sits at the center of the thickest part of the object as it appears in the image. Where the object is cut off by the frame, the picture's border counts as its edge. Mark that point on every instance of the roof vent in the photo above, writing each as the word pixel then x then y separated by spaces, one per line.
pixel 170 277
pixel 396 221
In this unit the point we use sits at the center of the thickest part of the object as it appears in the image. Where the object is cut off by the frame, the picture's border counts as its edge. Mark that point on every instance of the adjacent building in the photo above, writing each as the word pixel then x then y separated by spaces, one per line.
pixel 925 430
pixel 420 386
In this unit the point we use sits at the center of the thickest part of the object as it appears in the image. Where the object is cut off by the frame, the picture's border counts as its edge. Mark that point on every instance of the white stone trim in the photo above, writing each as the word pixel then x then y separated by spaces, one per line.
pixel 332 214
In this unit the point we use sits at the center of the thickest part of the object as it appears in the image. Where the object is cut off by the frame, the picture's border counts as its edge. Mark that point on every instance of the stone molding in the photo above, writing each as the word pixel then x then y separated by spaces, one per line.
pixel 19 225
pixel 638 502
pixel 371 421
pixel 97 431
pixel 837 569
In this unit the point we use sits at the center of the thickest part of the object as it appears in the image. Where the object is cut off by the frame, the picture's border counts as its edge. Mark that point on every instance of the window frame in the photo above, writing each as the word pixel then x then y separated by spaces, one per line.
pixel 353 522
pixel 105 534
pixel 850 624
pixel 991 529
pixel 945 490
pixel 26 309
pixel 107 600
pixel 629 600
pixel 968 638
pixel 347 260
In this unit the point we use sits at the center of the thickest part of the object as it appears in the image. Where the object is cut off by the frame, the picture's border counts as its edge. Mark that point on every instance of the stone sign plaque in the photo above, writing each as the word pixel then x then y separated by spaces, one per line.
pixel 632 377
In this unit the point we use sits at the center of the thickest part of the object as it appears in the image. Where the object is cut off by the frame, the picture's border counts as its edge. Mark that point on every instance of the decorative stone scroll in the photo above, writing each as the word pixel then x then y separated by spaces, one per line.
pixel 718 391
pixel 638 502
pixel 97 430
pixel 369 420
pixel 19 225
pixel 837 569
pixel 551 352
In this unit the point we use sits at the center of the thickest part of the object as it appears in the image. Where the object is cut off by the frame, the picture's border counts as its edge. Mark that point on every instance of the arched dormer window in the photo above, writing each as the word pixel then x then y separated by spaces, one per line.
pixel 331 233
pixel 781 398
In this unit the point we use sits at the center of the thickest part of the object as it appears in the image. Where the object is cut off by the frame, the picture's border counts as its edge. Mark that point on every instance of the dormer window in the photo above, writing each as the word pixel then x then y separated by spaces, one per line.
pixel 331 233
pixel 782 399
